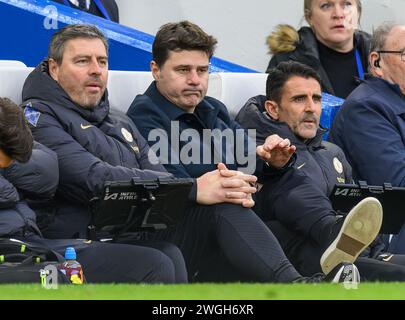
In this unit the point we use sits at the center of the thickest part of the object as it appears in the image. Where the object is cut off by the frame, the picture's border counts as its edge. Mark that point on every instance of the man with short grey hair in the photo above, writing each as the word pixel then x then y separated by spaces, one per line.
pixel 370 127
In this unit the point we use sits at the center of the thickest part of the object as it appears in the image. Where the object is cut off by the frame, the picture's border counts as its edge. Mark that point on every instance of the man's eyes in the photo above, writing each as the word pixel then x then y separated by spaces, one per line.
pixel 187 70
pixel 303 99
pixel 317 99
pixel 183 70
pixel 101 62
pixel 299 99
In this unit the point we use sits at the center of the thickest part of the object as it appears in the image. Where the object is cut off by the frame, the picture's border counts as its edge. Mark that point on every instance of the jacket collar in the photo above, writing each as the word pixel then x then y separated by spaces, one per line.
pixel 205 112
pixel 379 83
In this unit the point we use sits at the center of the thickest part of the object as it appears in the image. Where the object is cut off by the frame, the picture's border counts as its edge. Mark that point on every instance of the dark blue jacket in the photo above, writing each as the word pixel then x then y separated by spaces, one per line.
pixel 319 163
pixel 323 162
pixel 35 180
pixel 370 128
pixel 152 110
pixel 93 146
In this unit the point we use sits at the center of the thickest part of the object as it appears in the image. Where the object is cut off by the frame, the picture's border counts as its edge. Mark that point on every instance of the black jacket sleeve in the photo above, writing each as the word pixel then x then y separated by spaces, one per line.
pixel 8 194
pixel 39 177
pixel 83 175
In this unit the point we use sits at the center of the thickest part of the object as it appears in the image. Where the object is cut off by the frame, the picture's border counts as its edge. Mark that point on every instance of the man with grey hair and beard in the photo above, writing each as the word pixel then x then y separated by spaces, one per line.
pixel 370 127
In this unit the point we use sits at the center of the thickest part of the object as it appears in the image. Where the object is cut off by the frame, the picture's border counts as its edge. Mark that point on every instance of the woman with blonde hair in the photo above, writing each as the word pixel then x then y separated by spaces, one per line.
pixel 332 45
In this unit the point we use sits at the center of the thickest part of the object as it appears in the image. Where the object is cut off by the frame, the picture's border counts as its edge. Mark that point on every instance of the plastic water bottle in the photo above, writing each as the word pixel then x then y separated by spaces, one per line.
pixel 71 268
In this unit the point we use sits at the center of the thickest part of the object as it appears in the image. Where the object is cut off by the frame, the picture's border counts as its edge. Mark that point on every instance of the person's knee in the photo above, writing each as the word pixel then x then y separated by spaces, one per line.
pixel 174 253
pixel 162 269
pixel 171 251
pixel 230 210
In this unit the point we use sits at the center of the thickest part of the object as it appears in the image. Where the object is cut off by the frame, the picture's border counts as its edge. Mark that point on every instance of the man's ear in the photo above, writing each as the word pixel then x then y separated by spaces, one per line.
pixel 375 64
pixel 272 109
pixel 53 69
pixel 155 70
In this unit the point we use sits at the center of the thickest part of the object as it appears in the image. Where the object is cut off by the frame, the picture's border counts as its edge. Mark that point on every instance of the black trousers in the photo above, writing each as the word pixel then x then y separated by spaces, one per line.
pixel 299 204
pixel 170 250
pixel 121 263
pixel 233 233
pixel 205 234
pixel 305 255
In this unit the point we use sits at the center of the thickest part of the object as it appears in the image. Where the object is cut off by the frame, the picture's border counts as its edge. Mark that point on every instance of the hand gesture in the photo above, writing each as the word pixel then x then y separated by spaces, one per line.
pixel 276 151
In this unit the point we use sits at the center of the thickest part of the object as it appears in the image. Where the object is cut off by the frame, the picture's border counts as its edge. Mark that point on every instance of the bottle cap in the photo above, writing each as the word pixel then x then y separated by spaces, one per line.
pixel 70 253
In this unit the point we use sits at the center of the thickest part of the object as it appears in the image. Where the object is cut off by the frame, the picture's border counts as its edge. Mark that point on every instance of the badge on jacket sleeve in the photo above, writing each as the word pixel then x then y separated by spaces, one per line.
pixel 31 114
pixel 338 165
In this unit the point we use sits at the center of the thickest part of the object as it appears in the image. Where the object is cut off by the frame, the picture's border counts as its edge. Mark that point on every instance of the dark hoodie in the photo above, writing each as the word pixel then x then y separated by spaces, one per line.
pixel 307 52
pixel 93 146
pixel 38 178
pixel 323 162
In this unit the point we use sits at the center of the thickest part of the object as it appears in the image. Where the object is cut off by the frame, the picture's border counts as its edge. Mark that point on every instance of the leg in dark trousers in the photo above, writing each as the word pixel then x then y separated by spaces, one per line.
pixel 300 206
pixel 305 255
pixel 237 233
pixel 116 263
pixel 375 270
pixel 167 248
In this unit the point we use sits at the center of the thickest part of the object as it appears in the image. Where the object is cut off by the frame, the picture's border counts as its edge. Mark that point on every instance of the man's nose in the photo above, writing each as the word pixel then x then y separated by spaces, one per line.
pixel 310 106
pixel 193 77
pixel 94 67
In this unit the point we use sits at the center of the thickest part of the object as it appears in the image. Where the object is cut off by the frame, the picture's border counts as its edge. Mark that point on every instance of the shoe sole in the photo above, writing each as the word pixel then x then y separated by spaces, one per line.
pixel 360 228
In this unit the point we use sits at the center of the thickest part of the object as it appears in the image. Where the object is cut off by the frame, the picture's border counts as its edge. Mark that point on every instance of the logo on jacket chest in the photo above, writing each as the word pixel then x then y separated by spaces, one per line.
pixel 127 135
pixel 339 169
pixel 338 165
pixel 130 139
pixel 85 126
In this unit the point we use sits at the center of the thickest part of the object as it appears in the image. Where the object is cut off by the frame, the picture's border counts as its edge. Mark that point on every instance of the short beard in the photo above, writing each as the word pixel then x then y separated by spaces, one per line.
pixel 88 105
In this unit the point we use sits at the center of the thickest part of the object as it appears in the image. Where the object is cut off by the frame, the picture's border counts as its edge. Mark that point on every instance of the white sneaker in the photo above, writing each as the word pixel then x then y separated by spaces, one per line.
pixel 359 229
pixel 345 273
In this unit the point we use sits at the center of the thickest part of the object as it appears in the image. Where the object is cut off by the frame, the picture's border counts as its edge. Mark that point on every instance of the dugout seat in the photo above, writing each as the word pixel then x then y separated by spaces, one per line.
pixel 234 89
pixel 12 63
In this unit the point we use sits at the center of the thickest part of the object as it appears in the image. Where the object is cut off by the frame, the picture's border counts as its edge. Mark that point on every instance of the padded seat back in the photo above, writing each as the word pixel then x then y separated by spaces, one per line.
pixel 234 89
pixel 12 81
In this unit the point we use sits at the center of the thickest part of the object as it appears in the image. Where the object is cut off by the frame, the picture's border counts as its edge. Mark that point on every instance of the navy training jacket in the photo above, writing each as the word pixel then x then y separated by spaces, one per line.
pixel 323 162
pixel 35 180
pixel 370 128
pixel 93 146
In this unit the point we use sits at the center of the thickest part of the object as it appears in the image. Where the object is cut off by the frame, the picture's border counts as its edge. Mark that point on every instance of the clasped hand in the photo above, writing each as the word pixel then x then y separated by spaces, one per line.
pixel 224 185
